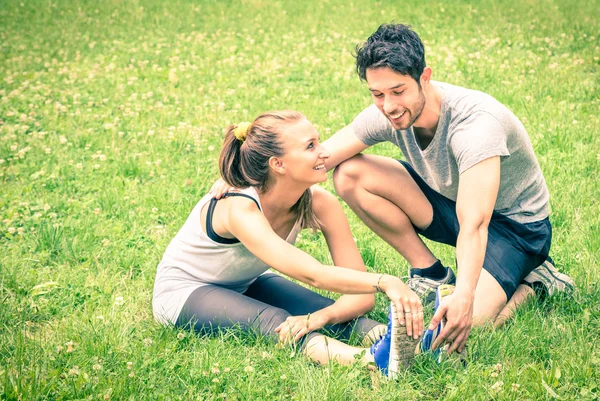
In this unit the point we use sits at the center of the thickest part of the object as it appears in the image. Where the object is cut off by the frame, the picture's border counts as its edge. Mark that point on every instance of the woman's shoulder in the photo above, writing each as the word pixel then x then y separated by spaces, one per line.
pixel 322 198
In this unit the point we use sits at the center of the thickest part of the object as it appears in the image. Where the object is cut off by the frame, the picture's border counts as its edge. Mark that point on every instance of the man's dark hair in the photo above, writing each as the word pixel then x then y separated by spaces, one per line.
pixel 395 46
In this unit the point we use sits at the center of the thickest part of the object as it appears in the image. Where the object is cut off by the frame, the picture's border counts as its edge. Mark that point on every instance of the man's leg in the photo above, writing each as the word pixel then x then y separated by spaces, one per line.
pixel 513 251
pixel 384 195
pixel 521 295
pixel 490 299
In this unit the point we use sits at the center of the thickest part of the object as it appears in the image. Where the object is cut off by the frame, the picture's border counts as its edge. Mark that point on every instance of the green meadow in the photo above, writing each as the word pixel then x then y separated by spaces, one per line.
pixel 111 120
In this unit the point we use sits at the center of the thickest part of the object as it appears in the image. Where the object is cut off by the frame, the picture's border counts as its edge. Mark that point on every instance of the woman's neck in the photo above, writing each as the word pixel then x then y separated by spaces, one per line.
pixel 279 199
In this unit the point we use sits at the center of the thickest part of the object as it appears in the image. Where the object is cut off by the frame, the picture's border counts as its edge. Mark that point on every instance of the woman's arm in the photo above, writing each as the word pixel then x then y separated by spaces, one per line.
pixel 244 221
pixel 344 252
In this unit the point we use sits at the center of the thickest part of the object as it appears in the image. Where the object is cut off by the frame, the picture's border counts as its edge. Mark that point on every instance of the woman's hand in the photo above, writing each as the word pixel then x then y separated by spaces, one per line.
pixel 220 188
pixel 408 304
pixel 295 327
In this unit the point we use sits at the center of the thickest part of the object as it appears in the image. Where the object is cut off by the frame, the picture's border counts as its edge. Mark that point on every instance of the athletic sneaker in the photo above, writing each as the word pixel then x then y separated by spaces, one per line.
pixel 426 287
pixel 547 280
pixel 430 335
pixel 396 349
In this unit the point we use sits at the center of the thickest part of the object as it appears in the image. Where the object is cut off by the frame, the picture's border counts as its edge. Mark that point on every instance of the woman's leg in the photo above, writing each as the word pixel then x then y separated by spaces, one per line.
pixel 211 308
pixel 323 349
pixel 280 292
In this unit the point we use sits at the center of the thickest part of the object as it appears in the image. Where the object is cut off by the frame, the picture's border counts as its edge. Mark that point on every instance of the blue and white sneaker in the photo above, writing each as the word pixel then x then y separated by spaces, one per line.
pixel 430 335
pixel 394 350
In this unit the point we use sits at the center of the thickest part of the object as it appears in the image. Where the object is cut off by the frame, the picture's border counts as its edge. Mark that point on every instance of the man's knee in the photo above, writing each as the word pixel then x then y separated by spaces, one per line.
pixel 346 174
pixel 490 299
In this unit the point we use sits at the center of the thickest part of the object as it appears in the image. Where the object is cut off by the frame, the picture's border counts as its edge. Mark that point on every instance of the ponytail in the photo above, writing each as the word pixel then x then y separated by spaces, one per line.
pixel 230 160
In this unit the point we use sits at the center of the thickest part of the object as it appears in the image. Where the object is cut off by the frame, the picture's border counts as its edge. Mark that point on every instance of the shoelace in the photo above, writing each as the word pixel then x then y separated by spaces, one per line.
pixel 414 283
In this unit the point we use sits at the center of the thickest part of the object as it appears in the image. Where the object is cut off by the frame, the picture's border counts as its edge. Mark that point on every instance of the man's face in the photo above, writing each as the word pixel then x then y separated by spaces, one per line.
pixel 399 97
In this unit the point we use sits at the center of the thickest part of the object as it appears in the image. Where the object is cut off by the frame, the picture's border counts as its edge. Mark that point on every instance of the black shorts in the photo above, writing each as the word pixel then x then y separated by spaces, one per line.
pixel 513 249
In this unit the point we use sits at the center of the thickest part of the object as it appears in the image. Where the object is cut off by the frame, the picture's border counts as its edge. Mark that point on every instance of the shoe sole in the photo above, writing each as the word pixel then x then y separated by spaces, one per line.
pixel 402 347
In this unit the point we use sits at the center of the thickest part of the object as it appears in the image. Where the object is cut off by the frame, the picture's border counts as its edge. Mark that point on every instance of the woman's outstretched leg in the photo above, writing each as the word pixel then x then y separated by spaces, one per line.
pixel 323 349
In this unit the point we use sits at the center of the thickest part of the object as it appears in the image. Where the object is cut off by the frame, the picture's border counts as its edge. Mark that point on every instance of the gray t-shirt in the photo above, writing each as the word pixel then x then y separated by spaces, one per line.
pixel 473 127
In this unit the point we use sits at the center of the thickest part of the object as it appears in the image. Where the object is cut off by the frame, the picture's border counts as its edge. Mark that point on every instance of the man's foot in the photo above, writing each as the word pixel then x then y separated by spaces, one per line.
pixel 546 280
pixel 426 287
pixel 430 335
pixel 396 349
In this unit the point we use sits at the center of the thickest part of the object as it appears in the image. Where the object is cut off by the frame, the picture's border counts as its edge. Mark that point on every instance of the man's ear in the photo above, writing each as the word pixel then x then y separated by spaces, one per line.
pixel 276 165
pixel 425 77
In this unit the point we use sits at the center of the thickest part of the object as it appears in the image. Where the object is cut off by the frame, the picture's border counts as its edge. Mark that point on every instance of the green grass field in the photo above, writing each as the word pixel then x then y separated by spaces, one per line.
pixel 111 120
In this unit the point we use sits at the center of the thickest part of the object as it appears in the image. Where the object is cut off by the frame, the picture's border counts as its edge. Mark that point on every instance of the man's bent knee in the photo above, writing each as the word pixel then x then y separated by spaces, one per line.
pixel 346 174
pixel 490 299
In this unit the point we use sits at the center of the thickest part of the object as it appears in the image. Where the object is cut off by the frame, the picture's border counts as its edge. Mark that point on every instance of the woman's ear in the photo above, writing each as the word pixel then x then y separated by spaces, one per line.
pixel 277 165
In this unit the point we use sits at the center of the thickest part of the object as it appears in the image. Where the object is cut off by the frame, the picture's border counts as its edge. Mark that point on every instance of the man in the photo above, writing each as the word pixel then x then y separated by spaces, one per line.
pixel 470 180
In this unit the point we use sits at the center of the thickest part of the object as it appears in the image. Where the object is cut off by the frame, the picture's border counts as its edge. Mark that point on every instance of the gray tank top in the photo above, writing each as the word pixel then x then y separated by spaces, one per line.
pixel 195 258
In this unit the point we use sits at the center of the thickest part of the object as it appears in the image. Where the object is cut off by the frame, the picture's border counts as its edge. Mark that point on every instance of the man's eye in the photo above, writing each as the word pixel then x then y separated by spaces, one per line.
pixel 398 93
pixel 378 95
pixel 310 146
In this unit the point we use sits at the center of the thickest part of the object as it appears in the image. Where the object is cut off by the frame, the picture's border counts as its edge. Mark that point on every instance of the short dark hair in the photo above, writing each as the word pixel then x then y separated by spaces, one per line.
pixel 395 46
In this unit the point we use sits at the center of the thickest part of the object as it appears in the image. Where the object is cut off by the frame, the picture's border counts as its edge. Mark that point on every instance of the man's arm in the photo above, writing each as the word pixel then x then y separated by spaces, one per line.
pixel 477 192
pixel 342 145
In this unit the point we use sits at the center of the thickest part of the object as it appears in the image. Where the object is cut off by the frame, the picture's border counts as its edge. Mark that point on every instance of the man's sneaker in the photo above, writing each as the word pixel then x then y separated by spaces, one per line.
pixel 430 335
pixel 426 287
pixel 547 280
pixel 396 349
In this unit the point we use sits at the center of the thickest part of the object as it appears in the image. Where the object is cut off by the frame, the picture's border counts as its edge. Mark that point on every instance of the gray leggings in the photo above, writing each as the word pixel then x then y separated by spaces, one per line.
pixel 265 305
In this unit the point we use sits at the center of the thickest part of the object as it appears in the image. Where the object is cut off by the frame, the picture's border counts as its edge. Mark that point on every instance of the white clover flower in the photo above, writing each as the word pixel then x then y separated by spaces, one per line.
pixel 497 387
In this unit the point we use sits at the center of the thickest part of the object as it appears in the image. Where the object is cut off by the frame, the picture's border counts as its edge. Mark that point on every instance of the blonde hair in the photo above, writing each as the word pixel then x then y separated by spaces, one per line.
pixel 245 163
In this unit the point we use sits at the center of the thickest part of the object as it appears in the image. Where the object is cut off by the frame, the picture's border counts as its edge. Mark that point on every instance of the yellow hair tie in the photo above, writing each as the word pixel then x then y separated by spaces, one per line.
pixel 241 131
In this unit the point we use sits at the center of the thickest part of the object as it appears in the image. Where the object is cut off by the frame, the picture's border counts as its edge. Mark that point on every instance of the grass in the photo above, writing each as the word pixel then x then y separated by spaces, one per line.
pixel 111 119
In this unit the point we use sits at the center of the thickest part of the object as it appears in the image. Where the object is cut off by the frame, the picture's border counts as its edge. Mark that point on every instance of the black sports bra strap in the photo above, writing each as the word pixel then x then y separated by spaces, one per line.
pixel 228 194
pixel 209 216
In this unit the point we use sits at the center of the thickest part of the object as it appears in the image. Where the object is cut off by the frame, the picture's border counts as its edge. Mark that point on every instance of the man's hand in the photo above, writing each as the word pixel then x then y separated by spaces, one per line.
pixel 295 327
pixel 458 311
pixel 220 188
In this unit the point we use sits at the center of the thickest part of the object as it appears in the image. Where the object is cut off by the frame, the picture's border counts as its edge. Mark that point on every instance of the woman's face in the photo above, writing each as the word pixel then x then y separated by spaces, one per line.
pixel 304 155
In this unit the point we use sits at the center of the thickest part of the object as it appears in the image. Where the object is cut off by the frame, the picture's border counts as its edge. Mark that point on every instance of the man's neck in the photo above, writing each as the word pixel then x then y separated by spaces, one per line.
pixel 430 116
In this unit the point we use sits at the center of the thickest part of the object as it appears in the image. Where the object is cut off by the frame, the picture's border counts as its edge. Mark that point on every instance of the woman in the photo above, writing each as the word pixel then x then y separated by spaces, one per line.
pixel 214 273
